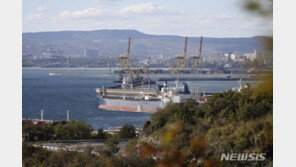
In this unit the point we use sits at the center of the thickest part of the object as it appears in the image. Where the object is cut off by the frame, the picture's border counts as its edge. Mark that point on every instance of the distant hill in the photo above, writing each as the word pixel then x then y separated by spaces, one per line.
pixel 111 43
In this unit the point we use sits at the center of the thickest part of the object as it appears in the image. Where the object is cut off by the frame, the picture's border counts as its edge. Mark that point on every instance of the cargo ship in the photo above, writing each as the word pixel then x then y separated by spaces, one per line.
pixel 150 100
pixel 127 98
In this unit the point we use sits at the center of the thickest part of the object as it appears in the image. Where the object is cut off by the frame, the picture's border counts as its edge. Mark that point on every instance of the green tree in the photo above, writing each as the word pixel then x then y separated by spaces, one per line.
pixel 38 132
pixel 73 130
pixel 100 134
pixel 127 132
pixel 112 146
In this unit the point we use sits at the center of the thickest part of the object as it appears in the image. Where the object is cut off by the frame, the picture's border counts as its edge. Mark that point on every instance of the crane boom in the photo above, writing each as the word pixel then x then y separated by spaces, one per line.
pixel 128 47
pixel 185 48
pixel 128 58
pixel 200 47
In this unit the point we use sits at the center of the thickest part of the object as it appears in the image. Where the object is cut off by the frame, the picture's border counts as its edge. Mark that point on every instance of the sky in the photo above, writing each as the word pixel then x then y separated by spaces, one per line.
pixel 209 18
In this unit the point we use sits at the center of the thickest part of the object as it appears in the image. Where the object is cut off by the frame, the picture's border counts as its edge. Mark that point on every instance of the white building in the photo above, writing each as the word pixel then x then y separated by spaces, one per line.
pixel 251 56
pixel 227 57
pixel 232 56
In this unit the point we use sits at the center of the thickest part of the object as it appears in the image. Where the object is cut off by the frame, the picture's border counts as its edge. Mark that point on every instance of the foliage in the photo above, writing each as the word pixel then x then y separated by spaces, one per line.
pixel 37 156
pixel 100 134
pixel 38 132
pixel 112 145
pixel 227 122
pixel 131 148
pixel 73 130
pixel 264 9
pixel 127 132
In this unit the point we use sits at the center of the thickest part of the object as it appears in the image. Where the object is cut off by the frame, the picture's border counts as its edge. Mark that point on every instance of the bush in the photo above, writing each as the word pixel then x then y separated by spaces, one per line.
pixel 112 145
pixel 100 134
pixel 73 130
pixel 127 132
pixel 38 132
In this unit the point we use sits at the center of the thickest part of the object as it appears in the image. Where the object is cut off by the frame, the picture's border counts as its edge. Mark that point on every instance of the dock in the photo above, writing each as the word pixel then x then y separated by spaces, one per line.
pixel 207 79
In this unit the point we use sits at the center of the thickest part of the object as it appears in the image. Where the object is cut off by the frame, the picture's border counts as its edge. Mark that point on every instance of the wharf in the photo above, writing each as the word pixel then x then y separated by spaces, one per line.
pixel 207 79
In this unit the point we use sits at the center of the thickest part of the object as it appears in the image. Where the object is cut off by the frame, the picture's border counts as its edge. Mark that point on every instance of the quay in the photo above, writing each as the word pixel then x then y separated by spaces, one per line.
pixel 208 79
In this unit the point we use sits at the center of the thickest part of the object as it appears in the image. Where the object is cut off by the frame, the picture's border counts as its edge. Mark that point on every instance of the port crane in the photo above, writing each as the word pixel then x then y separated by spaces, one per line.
pixel 182 60
pixel 197 60
pixel 125 60
pixel 199 55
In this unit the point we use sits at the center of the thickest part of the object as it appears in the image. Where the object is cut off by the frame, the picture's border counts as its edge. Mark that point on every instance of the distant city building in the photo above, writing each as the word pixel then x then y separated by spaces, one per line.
pixel 239 59
pixel 91 53
pixel 251 56
pixel 232 56
pixel 227 57
pixel 161 56
pixel 46 55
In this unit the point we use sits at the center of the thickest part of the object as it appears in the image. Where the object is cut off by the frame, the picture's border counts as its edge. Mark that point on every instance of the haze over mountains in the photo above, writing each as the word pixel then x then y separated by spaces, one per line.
pixel 112 43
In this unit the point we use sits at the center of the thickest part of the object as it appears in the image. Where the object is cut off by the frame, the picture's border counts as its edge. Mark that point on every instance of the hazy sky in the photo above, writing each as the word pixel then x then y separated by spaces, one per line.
pixel 209 18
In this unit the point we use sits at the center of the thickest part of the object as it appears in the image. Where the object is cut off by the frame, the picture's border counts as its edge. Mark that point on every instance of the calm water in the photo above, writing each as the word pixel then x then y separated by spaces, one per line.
pixel 56 94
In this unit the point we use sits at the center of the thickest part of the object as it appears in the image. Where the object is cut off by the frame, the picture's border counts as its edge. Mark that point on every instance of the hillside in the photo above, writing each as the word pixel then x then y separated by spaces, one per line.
pixel 230 122
pixel 111 43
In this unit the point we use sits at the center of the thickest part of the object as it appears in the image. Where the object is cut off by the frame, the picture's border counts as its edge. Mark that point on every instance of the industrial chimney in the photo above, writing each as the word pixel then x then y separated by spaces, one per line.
pixel 68 115
pixel 41 117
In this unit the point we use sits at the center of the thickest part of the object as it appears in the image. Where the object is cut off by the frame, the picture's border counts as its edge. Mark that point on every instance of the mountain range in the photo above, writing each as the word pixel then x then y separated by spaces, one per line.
pixel 112 43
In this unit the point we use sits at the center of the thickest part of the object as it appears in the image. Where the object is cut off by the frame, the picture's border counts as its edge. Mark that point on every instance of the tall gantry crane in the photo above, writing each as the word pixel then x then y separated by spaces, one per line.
pixel 200 55
pixel 125 60
pixel 172 69
pixel 197 60
pixel 182 60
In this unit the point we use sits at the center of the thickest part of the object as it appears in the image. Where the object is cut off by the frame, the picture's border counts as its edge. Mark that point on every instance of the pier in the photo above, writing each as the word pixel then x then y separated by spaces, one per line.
pixel 207 79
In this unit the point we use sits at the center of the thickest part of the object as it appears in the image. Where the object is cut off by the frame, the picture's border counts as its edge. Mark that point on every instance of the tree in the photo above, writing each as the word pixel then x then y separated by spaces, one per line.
pixel 39 132
pixel 101 134
pixel 73 130
pixel 127 132
pixel 112 145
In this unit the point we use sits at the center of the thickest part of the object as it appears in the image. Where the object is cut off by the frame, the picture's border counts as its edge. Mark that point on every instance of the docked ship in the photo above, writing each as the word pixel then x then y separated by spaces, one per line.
pixel 125 97
pixel 128 98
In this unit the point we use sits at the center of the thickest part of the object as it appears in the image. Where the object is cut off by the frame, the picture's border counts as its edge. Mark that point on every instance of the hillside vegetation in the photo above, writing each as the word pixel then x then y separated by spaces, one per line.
pixel 230 122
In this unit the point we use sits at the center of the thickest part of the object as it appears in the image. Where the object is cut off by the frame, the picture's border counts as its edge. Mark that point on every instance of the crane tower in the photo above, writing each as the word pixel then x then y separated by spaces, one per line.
pixel 125 60
pixel 182 60
pixel 197 60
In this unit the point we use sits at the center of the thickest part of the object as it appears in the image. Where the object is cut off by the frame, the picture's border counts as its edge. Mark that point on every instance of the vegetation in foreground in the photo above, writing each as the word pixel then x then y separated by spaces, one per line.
pixel 230 122
pixel 73 130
